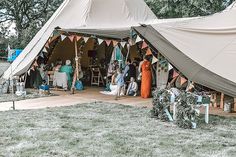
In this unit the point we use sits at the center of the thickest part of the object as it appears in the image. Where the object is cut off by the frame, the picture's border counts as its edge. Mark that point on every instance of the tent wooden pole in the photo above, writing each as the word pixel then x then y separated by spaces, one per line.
pixel 76 60
pixel 222 101
pixel 235 104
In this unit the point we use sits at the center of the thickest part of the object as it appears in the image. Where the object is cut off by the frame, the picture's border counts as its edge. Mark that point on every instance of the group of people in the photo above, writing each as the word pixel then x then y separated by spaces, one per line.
pixel 126 82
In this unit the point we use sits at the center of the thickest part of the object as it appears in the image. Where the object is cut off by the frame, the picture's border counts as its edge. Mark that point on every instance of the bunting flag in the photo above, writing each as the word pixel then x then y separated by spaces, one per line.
pixel 86 39
pixel 71 38
pixel 78 38
pixel 175 74
pixel 154 60
pixel 45 50
pixel 47 45
pixel 115 42
pixel 138 39
pixel 41 55
pixel 148 52
pixel 182 81
pixel 144 45
pixel 123 44
pixel 108 42
pixel 63 37
pixel 100 41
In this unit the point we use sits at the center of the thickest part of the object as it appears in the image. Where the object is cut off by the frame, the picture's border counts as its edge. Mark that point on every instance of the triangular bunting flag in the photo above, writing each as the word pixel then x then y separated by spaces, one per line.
pixel 86 39
pixel 45 50
pixel 71 38
pixel 182 81
pixel 154 60
pixel 138 39
pixel 100 41
pixel 47 45
pixel 115 42
pixel 41 55
pixel 144 45
pixel 108 42
pixel 148 52
pixel 123 44
pixel 175 74
pixel 78 38
pixel 63 37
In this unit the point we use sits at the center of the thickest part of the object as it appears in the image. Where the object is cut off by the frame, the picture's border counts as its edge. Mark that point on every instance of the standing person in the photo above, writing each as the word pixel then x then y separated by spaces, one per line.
pixel 120 83
pixel 130 71
pixel 146 80
pixel 132 88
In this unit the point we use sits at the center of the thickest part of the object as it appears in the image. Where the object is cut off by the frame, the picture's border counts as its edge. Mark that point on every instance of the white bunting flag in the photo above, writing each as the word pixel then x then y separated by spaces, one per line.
pixel 154 60
pixel 63 37
pixel 100 41
pixel 45 50
pixel 123 44
pixel 138 39
pixel 86 39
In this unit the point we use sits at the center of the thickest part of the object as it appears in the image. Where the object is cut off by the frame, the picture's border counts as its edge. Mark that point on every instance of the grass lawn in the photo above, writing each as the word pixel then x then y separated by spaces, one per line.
pixel 110 130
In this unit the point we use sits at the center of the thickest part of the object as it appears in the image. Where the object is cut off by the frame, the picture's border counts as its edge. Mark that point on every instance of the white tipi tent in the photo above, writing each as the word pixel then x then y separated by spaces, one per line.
pixel 108 18
pixel 203 49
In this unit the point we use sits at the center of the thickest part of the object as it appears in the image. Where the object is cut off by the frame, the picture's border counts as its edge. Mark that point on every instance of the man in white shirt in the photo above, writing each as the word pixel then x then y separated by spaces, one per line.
pixel 132 88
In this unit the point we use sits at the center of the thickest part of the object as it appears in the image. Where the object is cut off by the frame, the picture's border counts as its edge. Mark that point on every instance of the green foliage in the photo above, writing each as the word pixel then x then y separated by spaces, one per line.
pixel 186 8
pixel 161 102
pixel 186 112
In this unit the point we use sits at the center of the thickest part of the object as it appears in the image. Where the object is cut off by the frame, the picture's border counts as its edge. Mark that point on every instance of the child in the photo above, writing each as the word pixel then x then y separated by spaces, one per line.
pixel 120 83
pixel 132 88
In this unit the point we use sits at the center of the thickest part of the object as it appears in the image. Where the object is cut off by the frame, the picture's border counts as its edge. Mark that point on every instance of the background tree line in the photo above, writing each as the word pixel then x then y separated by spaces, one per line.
pixel 29 16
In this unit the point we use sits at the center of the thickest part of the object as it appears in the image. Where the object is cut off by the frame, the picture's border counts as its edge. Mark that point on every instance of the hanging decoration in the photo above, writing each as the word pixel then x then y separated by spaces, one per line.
pixel 86 39
pixel 47 45
pixel 182 81
pixel 63 37
pixel 148 52
pixel 115 42
pixel 144 45
pixel 138 39
pixel 154 60
pixel 100 41
pixel 123 44
pixel 71 38
pixel 175 74
pixel 78 38
pixel 45 50
pixel 108 42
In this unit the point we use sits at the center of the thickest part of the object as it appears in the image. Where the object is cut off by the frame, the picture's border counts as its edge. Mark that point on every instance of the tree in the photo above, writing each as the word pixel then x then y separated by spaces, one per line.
pixel 28 16
pixel 186 8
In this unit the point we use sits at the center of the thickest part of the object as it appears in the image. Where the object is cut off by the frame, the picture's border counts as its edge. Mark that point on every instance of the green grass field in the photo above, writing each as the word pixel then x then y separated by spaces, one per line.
pixel 110 130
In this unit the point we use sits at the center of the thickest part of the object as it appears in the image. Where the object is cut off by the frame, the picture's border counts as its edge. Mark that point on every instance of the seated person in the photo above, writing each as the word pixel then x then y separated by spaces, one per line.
pixel 58 65
pixel 132 87
pixel 112 86
pixel 69 71
pixel 112 68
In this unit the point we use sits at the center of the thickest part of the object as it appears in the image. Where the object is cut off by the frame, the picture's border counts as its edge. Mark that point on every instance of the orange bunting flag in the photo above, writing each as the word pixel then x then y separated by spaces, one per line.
pixel 175 74
pixel 108 42
pixel 148 52
pixel 182 81
pixel 144 45
pixel 78 38
pixel 115 42
pixel 71 38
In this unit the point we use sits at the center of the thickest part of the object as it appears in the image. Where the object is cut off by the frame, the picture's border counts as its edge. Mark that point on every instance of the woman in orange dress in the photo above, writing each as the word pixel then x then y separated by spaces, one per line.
pixel 146 81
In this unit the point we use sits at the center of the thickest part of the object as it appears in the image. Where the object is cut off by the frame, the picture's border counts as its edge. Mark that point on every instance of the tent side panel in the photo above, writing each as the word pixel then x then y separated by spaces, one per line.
pixel 185 64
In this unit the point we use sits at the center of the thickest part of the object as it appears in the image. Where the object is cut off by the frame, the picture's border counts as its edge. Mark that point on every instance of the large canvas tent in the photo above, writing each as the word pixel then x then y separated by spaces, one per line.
pixel 203 49
pixel 107 18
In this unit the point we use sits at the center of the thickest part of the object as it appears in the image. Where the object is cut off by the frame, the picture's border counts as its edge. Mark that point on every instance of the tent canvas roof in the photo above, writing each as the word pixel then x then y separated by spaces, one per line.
pixel 203 49
pixel 109 18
